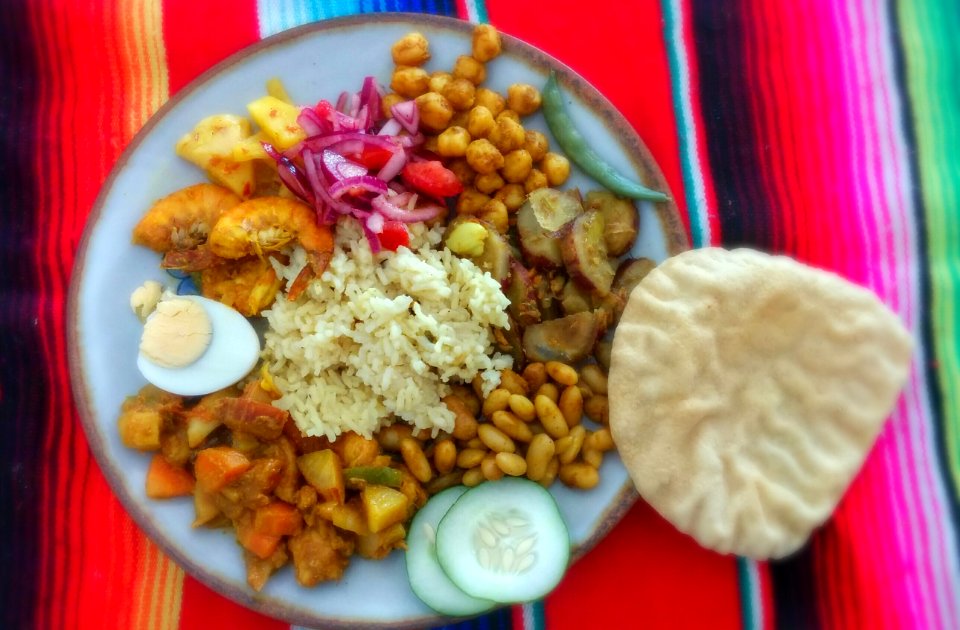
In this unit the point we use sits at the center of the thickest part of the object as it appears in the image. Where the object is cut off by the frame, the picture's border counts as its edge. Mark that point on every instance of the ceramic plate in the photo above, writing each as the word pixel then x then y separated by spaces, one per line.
pixel 315 61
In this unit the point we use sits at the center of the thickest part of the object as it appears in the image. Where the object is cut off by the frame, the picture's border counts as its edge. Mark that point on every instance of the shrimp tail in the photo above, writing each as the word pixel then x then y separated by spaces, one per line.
pixel 316 264
pixel 195 259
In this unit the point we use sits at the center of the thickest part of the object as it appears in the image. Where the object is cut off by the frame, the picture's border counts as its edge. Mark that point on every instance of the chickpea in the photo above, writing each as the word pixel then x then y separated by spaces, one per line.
pixel 389 101
pixel 495 213
pixel 516 166
pixel 410 81
pixel 482 155
pixel 491 100
pixel 536 179
pixel 431 144
pixel 470 201
pixel 536 144
pixel 488 183
pixel 466 67
pixel 508 134
pixel 435 111
pixel 512 196
pixel 453 142
pixel 509 113
pixel 556 168
pixel 462 170
pixel 412 49
pixel 523 98
pixel 461 93
pixel 480 122
pixel 438 80
pixel 486 42
pixel 459 119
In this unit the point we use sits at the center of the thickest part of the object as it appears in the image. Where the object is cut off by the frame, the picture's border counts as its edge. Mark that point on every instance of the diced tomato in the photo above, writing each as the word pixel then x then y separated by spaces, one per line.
pixel 373 157
pixel 325 109
pixel 431 178
pixel 394 235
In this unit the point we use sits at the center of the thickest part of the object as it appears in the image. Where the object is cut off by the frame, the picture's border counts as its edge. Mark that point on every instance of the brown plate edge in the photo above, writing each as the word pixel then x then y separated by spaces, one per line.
pixel 613 120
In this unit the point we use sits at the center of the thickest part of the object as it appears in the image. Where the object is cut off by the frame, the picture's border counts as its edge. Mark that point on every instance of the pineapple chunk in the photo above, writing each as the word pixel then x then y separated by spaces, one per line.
pixel 384 506
pixel 277 120
pixel 210 146
pixel 250 149
pixel 140 429
pixel 377 546
pixel 350 517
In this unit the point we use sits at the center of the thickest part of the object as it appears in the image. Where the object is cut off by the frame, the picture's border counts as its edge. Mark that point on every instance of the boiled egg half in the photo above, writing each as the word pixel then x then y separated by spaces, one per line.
pixel 193 346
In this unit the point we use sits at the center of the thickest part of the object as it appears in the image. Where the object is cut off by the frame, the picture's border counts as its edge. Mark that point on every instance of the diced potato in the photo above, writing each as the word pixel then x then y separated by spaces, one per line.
pixel 377 545
pixel 164 480
pixel 277 120
pixel 323 471
pixel 198 428
pixel 350 517
pixel 140 429
pixel 384 506
pixel 204 506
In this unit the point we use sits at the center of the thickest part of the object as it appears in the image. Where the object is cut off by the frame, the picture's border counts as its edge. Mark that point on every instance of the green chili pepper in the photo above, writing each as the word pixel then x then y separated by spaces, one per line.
pixel 381 475
pixel 575 146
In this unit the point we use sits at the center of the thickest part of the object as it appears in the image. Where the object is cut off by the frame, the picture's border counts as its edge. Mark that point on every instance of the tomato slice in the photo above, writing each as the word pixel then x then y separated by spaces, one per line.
pixel 431 178
pixel 373 158
pixel 394 235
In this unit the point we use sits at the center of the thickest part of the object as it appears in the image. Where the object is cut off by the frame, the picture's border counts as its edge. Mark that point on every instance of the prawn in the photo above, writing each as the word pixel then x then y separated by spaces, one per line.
pixel 182 220
pixel 267 224
pixel 248 285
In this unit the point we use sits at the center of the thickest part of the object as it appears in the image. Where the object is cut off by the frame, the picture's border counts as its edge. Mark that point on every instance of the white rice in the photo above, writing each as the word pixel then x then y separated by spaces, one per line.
pixel 379 338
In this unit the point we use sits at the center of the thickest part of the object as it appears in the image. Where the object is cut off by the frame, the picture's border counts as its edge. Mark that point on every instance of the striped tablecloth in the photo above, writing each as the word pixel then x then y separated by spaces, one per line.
pixel 823 129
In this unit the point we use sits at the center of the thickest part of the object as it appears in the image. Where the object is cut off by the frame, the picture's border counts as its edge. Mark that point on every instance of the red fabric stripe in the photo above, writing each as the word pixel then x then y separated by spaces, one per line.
pixel 203 610
pixel 636 82
pixel 647 566
pixel 199 34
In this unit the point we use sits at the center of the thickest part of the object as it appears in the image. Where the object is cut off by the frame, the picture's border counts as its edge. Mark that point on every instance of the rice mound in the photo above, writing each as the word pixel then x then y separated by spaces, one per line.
pixel 379 338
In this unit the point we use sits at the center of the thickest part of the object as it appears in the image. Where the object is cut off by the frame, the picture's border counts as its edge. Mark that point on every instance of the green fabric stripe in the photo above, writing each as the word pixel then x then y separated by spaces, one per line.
pixel 539 617
pixel 686 136
pixel 929 31
pixel 748 586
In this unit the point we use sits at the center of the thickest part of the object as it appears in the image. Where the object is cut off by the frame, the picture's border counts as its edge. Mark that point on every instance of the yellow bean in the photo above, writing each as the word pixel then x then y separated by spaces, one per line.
pixel 571 405
pixel 539 454
pixel 601 440
pixel 415 460
pixel 496 440
pixel 491 470
pixel 498 400
pixel 465 393
pixel 553 466
pixel 550 391
pixel 390 437
pixel 470 457
pixel 579 475
pixel 473 477
pixel 474 442
pixel 522 407
pixel 592 456
pixel 511 464
pixel 535 374
pixel 576 436
pixel 444 455
pixel 562 373
pixel 514 383
pixel 511 425
pixel 464 422
pixel 597 408
pixel 441 483
pixel 595 379
pixel 550 417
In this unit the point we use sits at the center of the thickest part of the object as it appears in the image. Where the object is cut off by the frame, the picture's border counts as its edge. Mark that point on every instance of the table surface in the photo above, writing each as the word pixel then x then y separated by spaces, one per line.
pixel 823 130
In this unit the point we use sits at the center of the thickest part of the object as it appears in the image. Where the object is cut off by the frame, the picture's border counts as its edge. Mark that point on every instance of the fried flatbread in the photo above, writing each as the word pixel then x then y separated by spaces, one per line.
pixel 745 392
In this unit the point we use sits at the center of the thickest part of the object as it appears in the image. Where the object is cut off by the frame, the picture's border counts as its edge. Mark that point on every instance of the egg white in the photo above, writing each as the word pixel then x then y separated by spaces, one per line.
pixel 233 351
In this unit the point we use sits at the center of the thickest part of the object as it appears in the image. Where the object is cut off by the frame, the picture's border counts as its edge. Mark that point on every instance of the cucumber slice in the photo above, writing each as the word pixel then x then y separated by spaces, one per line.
pixel 427 579
pixel 504 541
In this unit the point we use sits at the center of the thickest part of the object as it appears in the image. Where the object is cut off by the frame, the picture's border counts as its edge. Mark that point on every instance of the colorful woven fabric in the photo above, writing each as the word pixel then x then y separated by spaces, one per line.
pixel 826 130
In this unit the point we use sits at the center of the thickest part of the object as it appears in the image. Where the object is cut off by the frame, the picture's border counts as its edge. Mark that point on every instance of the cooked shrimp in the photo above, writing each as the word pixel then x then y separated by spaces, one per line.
pixel 247 285
pixel 183 220
pixel 267 224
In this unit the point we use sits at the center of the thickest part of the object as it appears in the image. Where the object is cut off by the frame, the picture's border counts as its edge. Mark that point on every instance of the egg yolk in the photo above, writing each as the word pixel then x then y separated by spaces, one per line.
pixel 176 334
